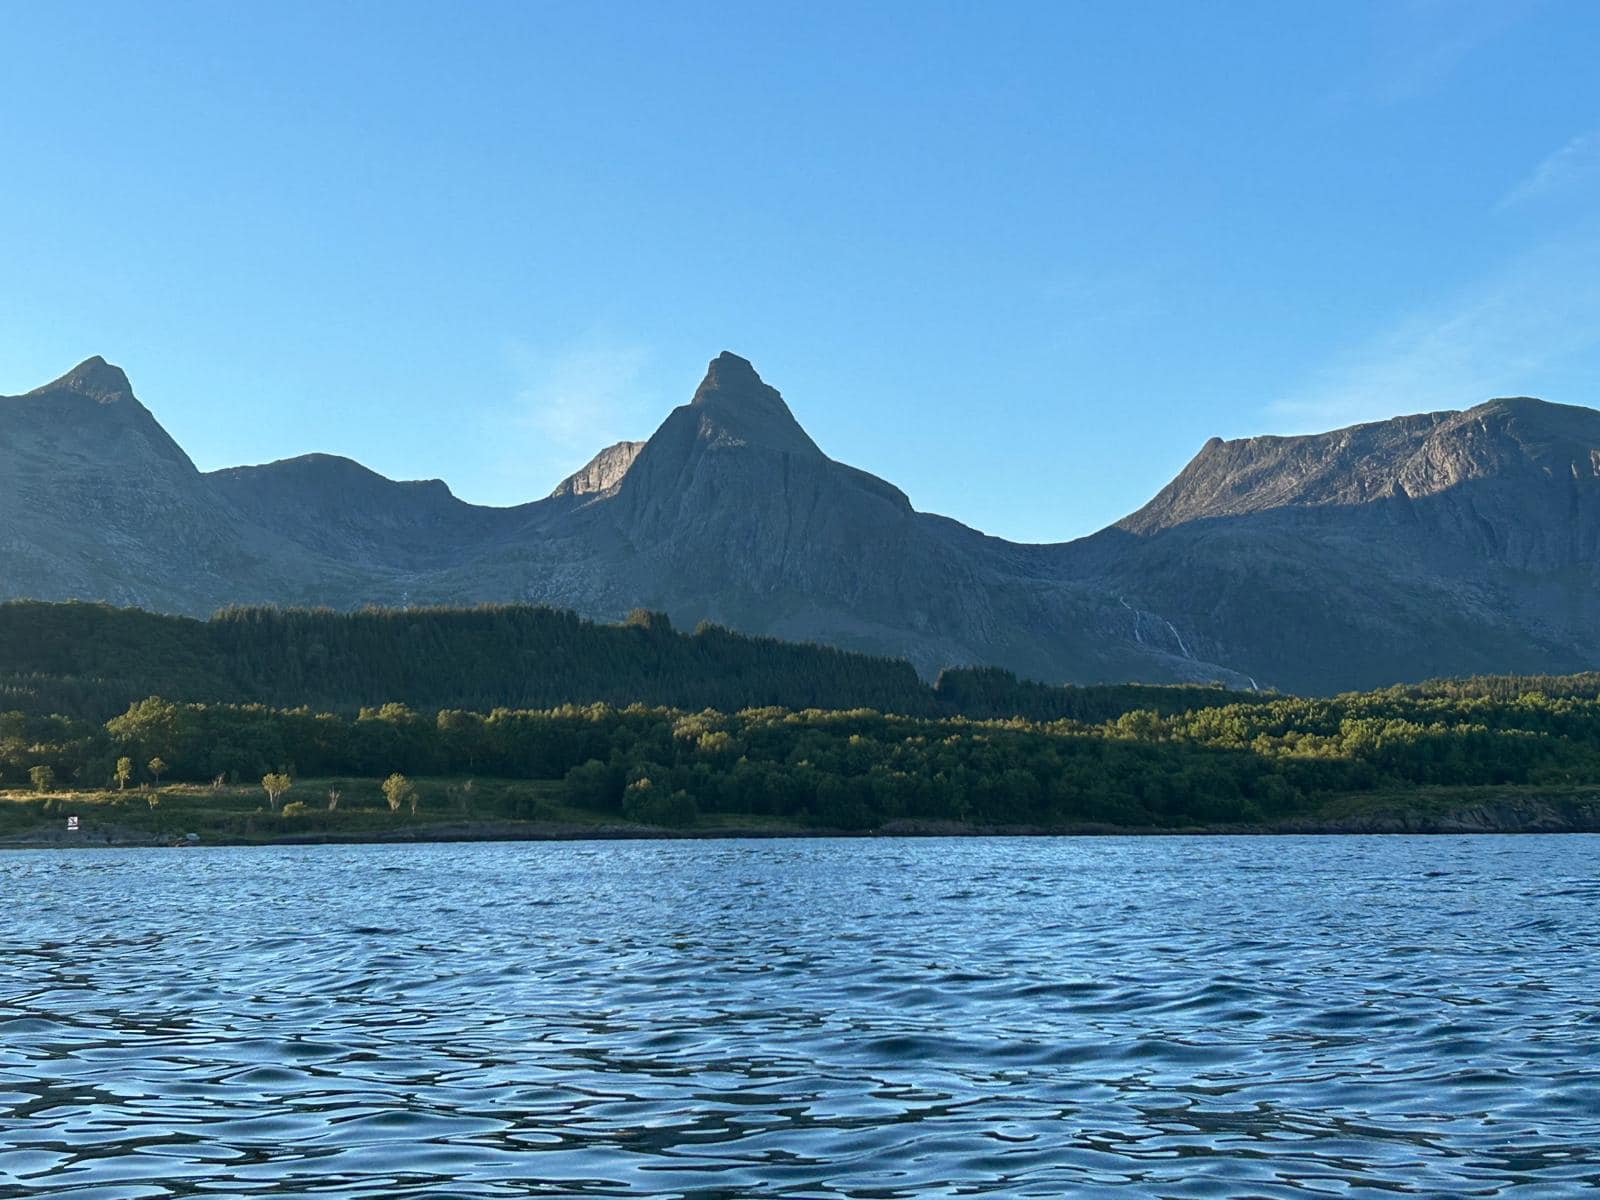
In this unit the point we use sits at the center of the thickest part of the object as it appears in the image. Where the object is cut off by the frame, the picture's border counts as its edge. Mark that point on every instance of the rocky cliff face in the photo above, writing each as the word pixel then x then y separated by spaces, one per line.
pixel 1435 544
pixel 1497 473
pixel 602 472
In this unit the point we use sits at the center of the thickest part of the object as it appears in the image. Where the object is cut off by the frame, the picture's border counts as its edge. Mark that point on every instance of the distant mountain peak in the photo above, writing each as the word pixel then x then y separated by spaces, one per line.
pixel 1544 414
pixel 735 405
pixel 603 471
pixel 323 471
pixel 95 378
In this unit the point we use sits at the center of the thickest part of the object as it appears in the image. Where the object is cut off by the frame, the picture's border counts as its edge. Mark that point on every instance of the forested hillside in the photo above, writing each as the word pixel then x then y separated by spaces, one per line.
pixel 92 661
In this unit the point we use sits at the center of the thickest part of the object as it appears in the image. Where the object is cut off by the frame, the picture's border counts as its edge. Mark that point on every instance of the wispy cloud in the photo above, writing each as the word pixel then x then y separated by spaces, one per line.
pixel 568 404
pixel 1576 163
pixel 1420 44
pixel 1505 335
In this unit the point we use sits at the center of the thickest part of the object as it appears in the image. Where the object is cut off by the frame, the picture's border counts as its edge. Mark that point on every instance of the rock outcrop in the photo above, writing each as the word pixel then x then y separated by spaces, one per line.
pixel 602 472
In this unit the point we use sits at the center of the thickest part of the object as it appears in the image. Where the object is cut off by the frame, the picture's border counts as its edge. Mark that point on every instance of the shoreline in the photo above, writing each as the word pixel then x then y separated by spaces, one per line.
pixel 1507 815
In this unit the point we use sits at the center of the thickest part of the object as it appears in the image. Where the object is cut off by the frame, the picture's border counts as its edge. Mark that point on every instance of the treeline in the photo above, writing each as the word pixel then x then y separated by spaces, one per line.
pixel 1502 687
pixel 91 661
pixel 859 768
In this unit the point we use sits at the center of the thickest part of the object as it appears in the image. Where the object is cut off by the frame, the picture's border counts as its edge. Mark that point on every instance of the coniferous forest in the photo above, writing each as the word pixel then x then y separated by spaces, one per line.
pixel 92 661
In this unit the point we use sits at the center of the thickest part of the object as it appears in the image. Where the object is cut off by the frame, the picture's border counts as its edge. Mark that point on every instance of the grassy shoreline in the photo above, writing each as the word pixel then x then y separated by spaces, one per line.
pixel 520 810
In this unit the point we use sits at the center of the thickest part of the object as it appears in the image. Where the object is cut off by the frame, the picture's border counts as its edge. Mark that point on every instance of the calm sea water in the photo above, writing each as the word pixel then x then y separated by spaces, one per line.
pixel 1063 1017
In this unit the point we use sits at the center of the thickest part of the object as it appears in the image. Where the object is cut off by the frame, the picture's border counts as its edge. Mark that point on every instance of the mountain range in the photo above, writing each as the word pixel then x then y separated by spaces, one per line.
pixel 1439 544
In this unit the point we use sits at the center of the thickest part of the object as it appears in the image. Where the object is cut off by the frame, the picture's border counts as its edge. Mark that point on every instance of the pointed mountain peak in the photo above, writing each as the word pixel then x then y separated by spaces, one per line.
pixel 735 405
pixel 730 373
pixel 95 378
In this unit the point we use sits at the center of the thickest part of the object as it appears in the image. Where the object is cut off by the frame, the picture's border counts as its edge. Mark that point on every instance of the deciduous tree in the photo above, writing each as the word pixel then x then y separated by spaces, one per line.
pixel 276 783
pixel 398 790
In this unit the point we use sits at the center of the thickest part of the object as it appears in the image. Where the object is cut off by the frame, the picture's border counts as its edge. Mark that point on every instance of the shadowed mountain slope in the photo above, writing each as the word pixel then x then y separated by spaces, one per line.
pixel 1450 543
pixel 1437 544
pixel 98 502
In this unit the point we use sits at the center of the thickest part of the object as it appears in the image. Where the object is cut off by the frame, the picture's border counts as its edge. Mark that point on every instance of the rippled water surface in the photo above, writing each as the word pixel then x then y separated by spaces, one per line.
pixel 867 1018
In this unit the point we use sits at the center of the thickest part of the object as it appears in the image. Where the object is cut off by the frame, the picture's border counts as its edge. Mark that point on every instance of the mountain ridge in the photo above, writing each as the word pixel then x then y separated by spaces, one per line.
pixel 1345 466
pixel 1438 543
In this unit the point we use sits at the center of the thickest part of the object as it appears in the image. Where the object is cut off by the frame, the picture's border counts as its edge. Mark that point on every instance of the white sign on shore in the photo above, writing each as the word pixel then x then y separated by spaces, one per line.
pixel 72 824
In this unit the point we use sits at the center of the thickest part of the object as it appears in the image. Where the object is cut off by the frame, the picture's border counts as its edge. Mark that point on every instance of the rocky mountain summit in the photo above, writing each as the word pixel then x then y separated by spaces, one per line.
pixel 1519 441
pixel 1442 543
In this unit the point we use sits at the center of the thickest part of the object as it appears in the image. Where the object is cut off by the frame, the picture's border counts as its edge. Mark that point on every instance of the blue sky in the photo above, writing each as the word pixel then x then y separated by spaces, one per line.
pixel 1022 260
